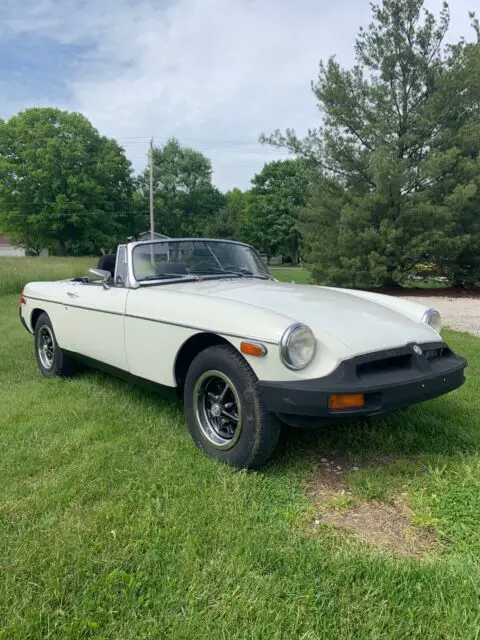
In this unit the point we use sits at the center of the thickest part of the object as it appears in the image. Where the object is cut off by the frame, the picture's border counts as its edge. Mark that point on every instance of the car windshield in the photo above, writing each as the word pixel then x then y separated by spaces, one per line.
pixel 181 259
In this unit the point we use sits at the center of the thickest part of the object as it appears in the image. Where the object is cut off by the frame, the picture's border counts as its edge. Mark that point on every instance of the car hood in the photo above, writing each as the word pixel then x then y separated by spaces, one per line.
pixel 362 322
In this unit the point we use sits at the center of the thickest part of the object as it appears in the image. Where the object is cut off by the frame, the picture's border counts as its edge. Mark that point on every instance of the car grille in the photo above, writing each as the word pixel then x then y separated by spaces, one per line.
pixel 435 354
pixel 394 363
pixel 400 362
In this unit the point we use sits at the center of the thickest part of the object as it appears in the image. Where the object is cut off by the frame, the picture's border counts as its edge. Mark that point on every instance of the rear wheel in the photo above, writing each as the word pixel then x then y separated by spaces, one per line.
pixel 51 359
pixel 224 410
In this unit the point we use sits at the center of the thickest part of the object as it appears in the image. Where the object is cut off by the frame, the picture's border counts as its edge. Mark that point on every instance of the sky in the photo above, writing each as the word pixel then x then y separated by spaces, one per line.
pixel 213 73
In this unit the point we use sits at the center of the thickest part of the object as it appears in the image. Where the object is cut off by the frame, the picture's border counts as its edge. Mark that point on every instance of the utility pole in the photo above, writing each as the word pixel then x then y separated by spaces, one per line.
pixel 152 219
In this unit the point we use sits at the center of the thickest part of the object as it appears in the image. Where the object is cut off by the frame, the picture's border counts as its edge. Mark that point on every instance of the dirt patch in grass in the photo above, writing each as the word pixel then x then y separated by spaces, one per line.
pixel 385 525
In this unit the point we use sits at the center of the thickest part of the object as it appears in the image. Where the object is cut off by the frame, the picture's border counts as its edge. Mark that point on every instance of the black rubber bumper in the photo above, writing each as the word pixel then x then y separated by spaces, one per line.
pixel 391 379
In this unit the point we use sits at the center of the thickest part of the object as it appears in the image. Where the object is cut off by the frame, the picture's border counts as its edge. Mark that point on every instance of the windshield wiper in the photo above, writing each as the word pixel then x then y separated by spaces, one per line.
pixel 199 274
pixel 215 270
pixel 168 276
pixel 241 273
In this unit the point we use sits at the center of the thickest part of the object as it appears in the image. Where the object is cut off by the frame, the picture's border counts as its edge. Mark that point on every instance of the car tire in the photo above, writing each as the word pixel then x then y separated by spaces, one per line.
pixel 236 428
pixel 51 359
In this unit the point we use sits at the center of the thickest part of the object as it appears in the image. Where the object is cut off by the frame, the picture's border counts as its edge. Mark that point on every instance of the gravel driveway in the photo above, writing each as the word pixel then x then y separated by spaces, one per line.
pixel 462 314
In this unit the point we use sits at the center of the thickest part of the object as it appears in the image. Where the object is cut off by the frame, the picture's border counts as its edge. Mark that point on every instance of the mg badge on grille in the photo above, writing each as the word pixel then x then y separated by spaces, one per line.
pixel 417 350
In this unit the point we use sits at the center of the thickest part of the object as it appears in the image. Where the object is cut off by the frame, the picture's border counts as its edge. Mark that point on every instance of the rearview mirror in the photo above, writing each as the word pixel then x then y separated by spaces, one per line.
pixel 102 275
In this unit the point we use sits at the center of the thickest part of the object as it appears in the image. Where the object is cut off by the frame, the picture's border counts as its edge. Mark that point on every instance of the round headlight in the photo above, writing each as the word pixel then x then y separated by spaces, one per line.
pixel 433 319
pixel 297 346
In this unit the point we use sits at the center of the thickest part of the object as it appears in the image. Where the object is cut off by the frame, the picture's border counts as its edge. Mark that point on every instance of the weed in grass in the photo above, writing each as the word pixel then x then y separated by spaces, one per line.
pixel 341 502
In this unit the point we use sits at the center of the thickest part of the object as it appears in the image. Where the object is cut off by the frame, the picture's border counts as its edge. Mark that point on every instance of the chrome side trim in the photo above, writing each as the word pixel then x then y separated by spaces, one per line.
pixel 189 326
pixel 75 306
pixel 174 324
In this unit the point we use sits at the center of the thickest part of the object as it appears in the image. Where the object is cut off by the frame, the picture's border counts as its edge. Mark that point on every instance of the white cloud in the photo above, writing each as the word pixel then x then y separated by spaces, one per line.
pixel 215 73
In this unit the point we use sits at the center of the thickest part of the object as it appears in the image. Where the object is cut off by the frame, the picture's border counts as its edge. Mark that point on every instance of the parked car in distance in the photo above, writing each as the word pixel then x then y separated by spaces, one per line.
pixel 206 318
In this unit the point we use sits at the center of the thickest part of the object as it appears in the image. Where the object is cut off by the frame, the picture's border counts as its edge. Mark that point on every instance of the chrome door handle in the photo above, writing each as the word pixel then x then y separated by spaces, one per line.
pixel 72 294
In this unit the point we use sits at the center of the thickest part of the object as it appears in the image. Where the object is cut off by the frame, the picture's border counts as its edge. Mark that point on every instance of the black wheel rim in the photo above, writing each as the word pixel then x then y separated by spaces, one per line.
pixel 46 347
pixel 218 409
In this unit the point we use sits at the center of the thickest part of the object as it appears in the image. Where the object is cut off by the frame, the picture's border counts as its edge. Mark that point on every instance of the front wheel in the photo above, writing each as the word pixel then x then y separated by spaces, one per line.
pixel 224 410
pixel 51 359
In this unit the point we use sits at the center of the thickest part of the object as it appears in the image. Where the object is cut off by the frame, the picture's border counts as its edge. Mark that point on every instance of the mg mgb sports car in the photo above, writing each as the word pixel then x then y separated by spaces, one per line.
pixel 247 353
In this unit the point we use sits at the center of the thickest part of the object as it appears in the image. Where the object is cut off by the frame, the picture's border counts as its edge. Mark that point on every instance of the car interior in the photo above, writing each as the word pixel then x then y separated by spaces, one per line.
pixel 107 263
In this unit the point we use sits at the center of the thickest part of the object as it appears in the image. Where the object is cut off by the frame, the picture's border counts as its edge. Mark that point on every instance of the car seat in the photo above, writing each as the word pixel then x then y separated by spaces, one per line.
pixel 107 263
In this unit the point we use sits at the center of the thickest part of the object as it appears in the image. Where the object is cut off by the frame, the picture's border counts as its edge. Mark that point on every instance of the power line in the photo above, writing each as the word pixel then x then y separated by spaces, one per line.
pixel 252 152
pixel 84 202
pixel 79 214
pixel 208 141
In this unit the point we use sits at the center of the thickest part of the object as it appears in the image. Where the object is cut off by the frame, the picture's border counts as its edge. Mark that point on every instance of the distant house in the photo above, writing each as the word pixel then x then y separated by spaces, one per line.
pixel 6 249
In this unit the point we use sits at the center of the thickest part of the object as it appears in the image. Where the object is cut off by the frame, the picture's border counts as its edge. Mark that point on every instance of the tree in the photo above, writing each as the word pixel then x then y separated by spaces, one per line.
pixel 383 121
pixel 229 221
pixel 453 168
pixel 62 185
pixel 278 192
pixel 185 200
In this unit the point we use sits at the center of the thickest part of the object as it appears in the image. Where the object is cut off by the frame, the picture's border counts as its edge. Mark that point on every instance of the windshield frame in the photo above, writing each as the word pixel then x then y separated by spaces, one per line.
pixel 162 280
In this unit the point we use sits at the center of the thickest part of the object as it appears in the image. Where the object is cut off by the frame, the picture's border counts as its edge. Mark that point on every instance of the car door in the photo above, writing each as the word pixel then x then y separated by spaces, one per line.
pixel 95 317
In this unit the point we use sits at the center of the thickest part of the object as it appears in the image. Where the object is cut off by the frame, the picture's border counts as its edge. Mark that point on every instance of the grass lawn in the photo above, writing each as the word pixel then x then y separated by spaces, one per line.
pixel 113 525
pixel 16 272
pixel 295 274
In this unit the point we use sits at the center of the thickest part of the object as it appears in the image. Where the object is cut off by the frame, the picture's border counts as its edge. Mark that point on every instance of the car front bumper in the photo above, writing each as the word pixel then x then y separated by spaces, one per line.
pixel 390 379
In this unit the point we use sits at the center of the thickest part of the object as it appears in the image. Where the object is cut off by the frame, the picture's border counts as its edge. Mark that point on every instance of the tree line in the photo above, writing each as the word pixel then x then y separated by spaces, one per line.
pixel 387 187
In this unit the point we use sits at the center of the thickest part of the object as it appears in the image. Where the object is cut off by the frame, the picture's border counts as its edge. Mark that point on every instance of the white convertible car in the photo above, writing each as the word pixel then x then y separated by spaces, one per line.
pixel 247 352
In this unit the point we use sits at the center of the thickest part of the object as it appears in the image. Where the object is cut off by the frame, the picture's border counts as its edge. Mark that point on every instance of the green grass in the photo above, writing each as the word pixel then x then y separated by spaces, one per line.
pixel 295 274
pixel 113 525
pixel 16 272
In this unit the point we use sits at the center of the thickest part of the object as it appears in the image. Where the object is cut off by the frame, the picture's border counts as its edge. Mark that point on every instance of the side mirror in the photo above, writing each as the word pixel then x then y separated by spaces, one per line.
pixel 102 275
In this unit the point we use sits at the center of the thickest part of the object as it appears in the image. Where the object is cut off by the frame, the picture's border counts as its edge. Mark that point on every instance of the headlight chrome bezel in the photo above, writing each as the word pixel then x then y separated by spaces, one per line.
pixel 433 319
pixel 284 345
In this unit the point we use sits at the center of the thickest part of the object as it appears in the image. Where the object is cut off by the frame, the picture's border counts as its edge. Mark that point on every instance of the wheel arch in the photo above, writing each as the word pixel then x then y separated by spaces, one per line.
pixel 34 316
pixel 190 350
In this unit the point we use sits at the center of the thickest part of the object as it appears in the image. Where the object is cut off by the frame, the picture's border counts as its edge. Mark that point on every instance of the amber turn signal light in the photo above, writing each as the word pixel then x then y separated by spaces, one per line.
pixel 253 349
pixel 339 401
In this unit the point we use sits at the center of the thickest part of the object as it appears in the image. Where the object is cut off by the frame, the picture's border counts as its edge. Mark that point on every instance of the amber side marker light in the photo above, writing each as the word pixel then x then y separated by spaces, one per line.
pixel 339 401
pixel 22 299
pixel 253 349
